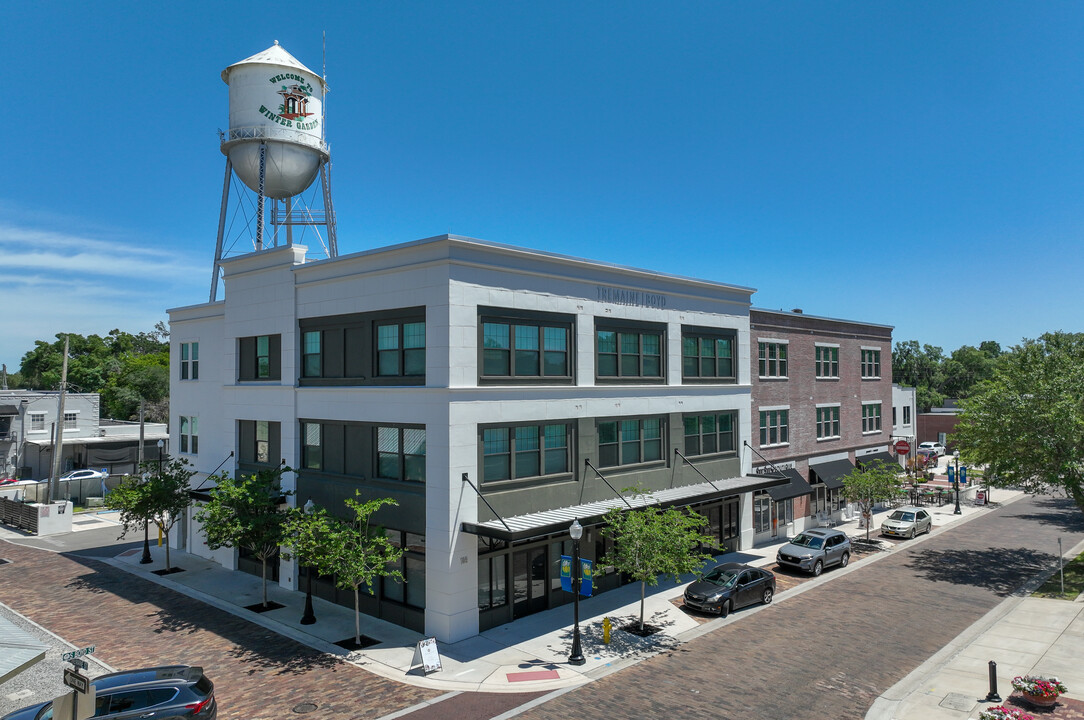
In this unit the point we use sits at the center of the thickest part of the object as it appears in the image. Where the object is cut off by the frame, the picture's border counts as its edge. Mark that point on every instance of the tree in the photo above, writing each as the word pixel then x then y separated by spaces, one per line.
pixel 160 496
pixel 651 542
pixel 247 511
pixel 1026 424
pixel 874 482
pixel 357 552
pixel 307 535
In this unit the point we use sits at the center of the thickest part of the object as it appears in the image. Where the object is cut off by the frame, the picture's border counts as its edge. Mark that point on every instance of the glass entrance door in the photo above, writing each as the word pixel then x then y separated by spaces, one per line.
pixel 528 581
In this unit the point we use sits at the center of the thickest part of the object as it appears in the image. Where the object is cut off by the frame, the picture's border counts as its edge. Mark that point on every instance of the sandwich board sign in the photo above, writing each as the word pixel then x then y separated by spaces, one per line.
pixel 426 655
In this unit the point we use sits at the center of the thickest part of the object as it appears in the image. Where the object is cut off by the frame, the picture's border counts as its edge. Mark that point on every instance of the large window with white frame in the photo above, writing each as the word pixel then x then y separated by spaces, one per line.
pixel 189 434
pixel 774 428
pixel 630 441
pixel 827 422
pixel 827 361
pixel 70 420
pixel 772 359
pixel 37 422
pixel 871 363
pixel 871 417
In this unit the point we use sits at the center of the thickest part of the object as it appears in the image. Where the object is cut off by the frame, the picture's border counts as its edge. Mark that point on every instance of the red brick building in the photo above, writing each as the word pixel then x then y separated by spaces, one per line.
pixel 821 402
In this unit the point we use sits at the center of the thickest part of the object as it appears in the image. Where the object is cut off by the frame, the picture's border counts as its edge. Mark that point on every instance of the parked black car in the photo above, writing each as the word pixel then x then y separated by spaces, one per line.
pixel 171 692
pixel 730 586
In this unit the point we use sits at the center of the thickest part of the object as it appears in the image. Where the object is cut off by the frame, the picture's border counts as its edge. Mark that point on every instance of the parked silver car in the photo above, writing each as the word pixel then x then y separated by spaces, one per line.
pixel 813 550
pixel 907 522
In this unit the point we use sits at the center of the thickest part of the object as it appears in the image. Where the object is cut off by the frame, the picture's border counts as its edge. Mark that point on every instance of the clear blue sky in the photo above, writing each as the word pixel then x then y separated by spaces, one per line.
pixel 912 164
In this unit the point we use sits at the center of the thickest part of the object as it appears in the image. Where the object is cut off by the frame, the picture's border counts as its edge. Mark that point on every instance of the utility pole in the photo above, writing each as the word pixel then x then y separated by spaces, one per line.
pixel 58 446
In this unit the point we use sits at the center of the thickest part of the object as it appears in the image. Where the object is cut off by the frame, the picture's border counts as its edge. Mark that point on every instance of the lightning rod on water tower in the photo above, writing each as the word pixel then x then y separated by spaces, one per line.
pixel 275 145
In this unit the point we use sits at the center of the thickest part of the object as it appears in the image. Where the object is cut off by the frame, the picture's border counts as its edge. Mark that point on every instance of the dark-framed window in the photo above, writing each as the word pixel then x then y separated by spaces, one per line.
pixel 710 433
pixel 492 581
pixel 906 414
pixel 400 349
pixel 526 451
pixel 708 354
pixel 531 347
pixel 400 452
pixel 312 446
pixel 772 359
pixel 385 347
pixel 774 429
pixel 626 352
pixel 190 361
pixel 411 591
pixel 260 358
pixel 871 417
pixel 189 434
pixel 828 422
pixel 630 441
pixel 871 363
pixel 827 361
pixel 258 442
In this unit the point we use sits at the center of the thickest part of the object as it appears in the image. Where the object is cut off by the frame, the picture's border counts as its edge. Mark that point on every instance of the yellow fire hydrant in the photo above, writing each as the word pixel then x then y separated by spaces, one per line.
pixel 606 624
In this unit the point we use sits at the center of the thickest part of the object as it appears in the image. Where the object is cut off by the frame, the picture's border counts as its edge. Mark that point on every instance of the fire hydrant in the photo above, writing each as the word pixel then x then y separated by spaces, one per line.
pixel 606 624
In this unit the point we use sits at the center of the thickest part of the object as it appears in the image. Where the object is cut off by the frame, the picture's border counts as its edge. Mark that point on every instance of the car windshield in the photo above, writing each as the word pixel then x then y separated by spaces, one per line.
pixel 809 541
pixel 901 515
pixel 721 577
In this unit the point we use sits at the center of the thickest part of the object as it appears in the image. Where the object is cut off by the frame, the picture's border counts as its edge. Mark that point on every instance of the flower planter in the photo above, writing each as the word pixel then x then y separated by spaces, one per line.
pixel 1040 700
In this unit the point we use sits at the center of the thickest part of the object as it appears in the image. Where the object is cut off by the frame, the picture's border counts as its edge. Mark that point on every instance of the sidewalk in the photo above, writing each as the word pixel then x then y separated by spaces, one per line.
pixel 528 655
pixel 1023 635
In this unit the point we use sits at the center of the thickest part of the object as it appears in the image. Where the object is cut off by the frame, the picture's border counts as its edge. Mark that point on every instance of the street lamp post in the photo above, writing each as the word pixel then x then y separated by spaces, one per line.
pixel 576 531
pixel 309 617
pixel 956 482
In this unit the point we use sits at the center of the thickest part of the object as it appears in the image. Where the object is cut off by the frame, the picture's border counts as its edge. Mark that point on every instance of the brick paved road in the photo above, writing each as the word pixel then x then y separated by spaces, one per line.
pixel 257 673
pixel 829 652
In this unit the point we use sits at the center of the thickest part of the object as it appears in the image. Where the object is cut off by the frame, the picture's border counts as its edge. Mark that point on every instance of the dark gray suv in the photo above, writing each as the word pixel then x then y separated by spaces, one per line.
pixel 171 692
pixel 813 550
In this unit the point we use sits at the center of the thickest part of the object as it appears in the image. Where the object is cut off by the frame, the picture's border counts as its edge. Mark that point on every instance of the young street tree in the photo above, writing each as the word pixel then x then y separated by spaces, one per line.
pixel 161 498
pixel 357 553
pixel 869 485
pixel 650 542
pixel 247 511
pixel 1026 424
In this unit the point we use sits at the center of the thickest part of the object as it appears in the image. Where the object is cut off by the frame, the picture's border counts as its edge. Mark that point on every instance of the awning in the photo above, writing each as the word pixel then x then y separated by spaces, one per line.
pixel 795 487
pixel 887 458
pixel 539 524
pixel 8 410
pixel 101 439
pixel 18 650
pixel 831 473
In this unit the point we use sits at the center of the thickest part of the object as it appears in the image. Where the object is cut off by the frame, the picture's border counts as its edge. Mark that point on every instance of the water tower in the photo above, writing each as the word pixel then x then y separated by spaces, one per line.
pixel 275 145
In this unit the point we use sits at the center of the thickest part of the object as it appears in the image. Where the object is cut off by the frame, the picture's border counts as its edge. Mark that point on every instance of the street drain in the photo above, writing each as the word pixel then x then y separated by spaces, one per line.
pixel 305 708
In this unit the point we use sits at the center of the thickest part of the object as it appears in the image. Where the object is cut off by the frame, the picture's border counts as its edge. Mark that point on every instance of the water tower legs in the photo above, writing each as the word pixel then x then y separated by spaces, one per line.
pixel 221 227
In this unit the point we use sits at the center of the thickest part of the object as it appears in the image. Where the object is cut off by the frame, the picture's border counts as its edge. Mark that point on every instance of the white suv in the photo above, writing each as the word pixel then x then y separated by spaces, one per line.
pixel 935 446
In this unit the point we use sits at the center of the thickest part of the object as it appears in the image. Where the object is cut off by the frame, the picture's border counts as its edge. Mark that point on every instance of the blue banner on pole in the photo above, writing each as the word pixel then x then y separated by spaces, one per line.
pixel 963 475
pixel 566 573
pixel 587 574
pixel 951 474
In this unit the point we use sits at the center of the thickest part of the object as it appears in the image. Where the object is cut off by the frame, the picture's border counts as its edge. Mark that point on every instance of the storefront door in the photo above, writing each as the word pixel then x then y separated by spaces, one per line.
pixel 528 581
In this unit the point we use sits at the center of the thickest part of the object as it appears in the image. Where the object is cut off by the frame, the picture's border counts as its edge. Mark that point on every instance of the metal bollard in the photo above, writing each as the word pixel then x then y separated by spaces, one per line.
pixel 606 624
pixel 993 696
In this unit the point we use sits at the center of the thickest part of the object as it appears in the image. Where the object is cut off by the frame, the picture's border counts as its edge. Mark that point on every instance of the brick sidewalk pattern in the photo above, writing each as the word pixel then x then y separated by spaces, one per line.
pixel 135 623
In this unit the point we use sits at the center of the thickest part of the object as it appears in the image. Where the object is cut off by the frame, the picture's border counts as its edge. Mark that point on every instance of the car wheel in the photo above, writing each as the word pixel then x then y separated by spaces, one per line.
pixel 844 560
pixel 911 535
pixel 929 528
pixel 724 609
pixel 766 598
pixel 817 567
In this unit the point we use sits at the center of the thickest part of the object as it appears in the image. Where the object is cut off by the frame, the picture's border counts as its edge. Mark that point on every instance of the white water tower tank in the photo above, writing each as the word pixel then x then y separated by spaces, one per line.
pixel 278 102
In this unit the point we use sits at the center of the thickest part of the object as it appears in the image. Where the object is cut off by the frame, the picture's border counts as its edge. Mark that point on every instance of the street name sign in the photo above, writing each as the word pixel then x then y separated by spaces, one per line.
pixel 69 656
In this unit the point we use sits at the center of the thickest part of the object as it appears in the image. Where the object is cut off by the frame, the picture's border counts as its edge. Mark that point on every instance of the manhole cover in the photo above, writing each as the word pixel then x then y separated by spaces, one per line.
pixel 958 701
pixel 305 708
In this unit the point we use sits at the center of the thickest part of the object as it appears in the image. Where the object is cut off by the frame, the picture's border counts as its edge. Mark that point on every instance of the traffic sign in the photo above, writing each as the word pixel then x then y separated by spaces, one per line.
pixel 72 679
pixel 68 656
pixel 902 447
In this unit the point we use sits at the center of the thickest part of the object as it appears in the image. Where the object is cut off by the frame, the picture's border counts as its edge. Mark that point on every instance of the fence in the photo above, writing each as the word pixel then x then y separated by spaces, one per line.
pixel 75 490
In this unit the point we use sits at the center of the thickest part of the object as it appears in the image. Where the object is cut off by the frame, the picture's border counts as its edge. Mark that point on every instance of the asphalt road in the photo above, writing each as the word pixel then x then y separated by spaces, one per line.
pixel 831 651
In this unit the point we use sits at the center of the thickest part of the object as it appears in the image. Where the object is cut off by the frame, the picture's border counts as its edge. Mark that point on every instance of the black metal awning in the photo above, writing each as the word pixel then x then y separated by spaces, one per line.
pixel 8 410
pixel 887 458
pixel 547 522
pixel 795 487
pixel 831 473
